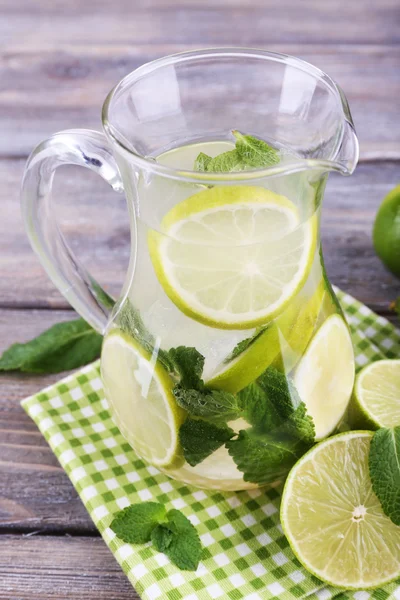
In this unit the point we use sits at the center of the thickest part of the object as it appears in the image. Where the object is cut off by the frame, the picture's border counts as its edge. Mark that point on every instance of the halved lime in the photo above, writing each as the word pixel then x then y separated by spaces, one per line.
pixel 376 399
pixel 333 520
pixel 325 375
pixel 233 257
pixel 139 391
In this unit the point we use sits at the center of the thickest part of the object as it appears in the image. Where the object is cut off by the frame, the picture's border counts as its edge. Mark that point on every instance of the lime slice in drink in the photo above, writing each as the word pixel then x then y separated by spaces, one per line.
pixel 324 376
pixel 233 257
pixel 279 344
pixel 244 368
pixel 140 393
pixel 376 399
pixel 333 520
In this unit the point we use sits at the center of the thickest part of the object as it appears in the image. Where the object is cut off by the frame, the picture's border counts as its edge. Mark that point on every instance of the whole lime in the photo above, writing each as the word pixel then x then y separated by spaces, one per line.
pixel 386 233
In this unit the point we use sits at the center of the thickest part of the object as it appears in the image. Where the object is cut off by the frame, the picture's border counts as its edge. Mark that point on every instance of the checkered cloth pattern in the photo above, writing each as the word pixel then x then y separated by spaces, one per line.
pixel 245 556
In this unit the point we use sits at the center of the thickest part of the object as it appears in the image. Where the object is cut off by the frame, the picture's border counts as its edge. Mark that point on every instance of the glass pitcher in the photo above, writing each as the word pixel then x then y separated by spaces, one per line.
pixel 227 354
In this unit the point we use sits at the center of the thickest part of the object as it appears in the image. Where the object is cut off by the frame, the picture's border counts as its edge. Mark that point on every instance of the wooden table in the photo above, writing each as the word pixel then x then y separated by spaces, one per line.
pixel 58 59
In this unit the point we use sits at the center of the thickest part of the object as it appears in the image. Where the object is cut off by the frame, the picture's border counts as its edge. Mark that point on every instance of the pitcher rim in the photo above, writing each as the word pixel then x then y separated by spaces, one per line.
pixel 149 163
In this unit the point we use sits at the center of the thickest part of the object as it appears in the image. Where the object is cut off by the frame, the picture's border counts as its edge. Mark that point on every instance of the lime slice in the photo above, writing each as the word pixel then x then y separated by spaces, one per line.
pixel 233 257
pixel 376 401
pixel 279 344
pixel 324 376
pixel 236 374
pixel 139 391
pixel 333 520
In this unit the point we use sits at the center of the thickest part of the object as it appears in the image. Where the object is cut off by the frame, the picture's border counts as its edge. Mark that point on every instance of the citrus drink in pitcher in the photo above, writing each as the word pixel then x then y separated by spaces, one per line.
pixel 226 355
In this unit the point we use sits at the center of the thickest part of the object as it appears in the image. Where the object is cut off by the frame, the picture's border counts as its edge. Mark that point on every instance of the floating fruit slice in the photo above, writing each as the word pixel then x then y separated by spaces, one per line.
pixel 140 394
pixel 325 375
pixel 233 257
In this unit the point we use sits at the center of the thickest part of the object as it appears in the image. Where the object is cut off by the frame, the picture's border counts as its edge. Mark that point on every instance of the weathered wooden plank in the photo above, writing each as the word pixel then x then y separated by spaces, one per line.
pixel 35 493
pixel 238 22
pixel 95 221
pixel 44 90
pixel 65 568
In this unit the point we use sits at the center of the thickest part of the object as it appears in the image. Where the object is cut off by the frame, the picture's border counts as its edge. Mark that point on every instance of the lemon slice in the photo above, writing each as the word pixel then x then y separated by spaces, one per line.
pixel 233 257
pixel 377 395
pixel 333 520
pixel 325 375
pixel 139 391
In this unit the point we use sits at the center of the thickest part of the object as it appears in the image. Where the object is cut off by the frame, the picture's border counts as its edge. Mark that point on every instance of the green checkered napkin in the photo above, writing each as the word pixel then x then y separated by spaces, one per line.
pixel 245 553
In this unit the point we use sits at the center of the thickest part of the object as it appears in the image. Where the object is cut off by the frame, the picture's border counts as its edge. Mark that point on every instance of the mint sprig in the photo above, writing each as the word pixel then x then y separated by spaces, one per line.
pixel 249 153
pixel 199 439
pixel 62 347
pixel 170 532
pixel 384 469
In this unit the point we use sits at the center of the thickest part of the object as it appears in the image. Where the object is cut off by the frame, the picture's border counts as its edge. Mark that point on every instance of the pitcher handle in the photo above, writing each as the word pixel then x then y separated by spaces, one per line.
pixel 77 147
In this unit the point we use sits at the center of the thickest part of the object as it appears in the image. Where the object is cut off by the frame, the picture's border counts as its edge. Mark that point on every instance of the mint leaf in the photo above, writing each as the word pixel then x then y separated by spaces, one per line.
pixel 161 537
pixel 257 408
pixel 264 458
pixel 300 425
pixel 280 391
pixel 134 524
pixel 244 344
pixel 188 363
pixel 255 152
pixel 209 404
pixel 225 163
pixel 130 321
pixel 184 548
pixel 63 347
pixel 199 439
pixel 384 469
pixel 202 161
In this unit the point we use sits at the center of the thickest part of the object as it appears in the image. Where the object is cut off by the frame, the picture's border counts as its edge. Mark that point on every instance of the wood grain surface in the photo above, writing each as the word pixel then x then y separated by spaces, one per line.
pixel 57 62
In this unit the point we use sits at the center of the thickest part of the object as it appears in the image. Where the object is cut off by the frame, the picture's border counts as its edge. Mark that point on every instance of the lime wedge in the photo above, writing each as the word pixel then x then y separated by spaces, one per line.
pixel 237 373
pixel 325 375
pixel 139 391
pixel 333 520
pixel 280 344
pixel 376 399
pixel 233 257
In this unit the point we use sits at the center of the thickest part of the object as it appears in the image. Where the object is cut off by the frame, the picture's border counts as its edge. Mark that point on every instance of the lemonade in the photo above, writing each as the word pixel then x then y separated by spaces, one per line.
pixel 228 357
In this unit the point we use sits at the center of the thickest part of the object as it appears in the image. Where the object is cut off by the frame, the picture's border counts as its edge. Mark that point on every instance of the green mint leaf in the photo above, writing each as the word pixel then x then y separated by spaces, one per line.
pixel 225 163
pixel 208 404
pixel 161 537
pixel 202 161
pixel 384 469
pixel 280 391
pixel 63 347
pixel 189 365
pixel 244 344
pixel 300 425
pixel 135 523
pixel 257 408
pixel 184 548
pixel 255 152
pixel 264 458
pixel 130 321
pixel 199 439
